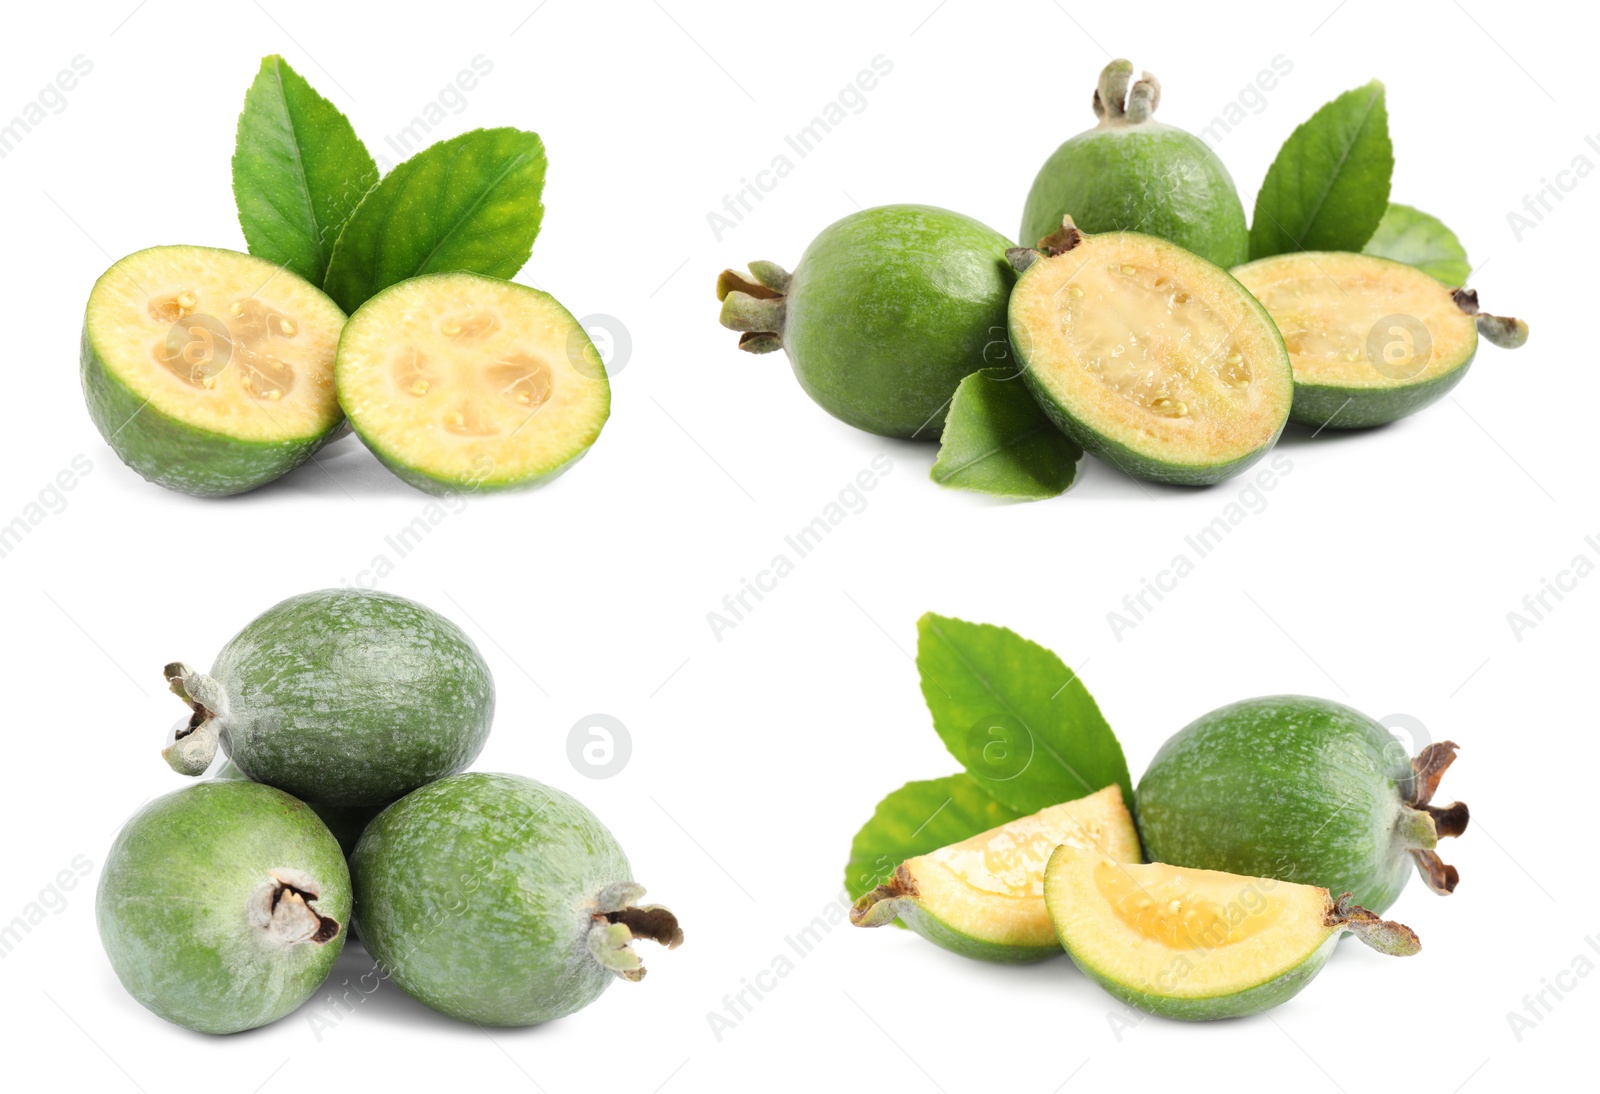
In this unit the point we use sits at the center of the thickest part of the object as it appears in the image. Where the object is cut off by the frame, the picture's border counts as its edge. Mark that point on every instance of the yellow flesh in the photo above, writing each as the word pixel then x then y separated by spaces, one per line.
pixel 992 885
pixel 1330 306
pixel 467 378
pixel 1155 348
pixel 1182 933
pixel 219 340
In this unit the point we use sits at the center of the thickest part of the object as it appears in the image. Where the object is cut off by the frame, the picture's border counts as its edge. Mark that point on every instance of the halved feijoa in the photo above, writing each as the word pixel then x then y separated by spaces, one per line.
pixel 1149 356
pixel 1199 944
pixel 984 897
pixel 459 382
pixel 209 371
pixel 1370 340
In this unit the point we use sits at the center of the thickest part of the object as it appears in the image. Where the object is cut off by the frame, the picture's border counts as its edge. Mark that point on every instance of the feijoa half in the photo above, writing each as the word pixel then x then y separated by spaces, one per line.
pixel 1303 789
pixel 222 905
pixel 501 901
pixel 984 897
pixel 345 697
pixel 886 311
pixel 1149 356
pixel 461 383
pixel 1370 340
pixel 208 371
pixel 1200 944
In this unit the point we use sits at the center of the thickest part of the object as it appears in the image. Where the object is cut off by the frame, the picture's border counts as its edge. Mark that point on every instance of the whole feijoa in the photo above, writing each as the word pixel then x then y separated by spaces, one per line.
pixel 1304 790
pixel 222 905
pixel 343 697
pixel 887 310
pixel 499 900
pixel 1132 173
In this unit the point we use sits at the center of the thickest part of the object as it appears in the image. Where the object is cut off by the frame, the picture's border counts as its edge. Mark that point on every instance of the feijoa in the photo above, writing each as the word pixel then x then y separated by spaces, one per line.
pixel 1133 173
pixel 984 897
pixel 222 905
pixel 1302 789
pixel 1149 356
pixel 498 900
pixel 887 310
pixel 344 697
pixel 208 371
pixel 1371 340
pixel 462 383
pixel 1200 944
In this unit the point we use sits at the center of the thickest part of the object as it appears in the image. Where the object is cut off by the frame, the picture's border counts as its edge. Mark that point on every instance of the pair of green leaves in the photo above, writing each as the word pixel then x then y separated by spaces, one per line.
pixel 310 198
pixel 1017 718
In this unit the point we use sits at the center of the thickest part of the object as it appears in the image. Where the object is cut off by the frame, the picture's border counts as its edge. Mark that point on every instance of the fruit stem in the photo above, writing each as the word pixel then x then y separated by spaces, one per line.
pixel 195 745
pixel 618 919
pixel 1501 330
pixel 1383 935
pixel 881 906
pixel 755 305
pixel 1422 825
pixel 1116 104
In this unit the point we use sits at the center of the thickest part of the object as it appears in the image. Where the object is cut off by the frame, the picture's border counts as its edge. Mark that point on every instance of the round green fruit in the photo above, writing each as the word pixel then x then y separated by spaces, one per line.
pixel 1148 356
pixel 461 383
pixel 208 371
pixel 1133 173
pixel 344 697
pixel 222 905
pixel 888 309
pixel 1304 790
pixel 500 901
pixel 1371 340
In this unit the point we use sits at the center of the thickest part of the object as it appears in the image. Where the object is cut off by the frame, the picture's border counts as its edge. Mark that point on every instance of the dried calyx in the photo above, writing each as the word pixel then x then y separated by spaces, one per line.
pixel 754 304
pixel 1502 330
pixel 195 744
pixel 1423 824
pixel 1383 935
pixel 285 907
pixel 618 919
pixel 1058 242
pixel 1116 103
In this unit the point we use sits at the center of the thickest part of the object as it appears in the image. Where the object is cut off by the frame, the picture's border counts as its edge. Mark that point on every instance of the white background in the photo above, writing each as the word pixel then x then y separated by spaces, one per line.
pixel 1379 570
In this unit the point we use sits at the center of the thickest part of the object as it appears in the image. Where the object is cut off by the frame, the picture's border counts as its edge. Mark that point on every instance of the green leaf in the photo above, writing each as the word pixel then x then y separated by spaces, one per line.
pixel 1411 236
pixel 997 441
pixel 1019 720
pixel 1329 186
pixel 469 203
pixel 299 171
pixel 918 818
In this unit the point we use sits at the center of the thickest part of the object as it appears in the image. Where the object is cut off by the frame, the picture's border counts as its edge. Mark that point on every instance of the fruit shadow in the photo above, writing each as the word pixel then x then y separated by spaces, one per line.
pixel 344 468
pixel 1295 434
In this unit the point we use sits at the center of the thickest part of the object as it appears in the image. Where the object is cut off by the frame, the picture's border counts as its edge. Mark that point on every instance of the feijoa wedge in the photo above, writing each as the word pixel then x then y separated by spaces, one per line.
pixel 1199 944
pixel 1370 340
pixel 208 371
pixel 1149 356
pixel 460 383
pixel 984 897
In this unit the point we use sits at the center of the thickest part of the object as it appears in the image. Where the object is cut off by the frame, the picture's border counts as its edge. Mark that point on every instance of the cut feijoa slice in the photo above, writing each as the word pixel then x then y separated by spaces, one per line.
pixel 1199 944
pixel 1148 356
pixel 1370 340
pixel 459 383
pixel 984 897
pixel 209 371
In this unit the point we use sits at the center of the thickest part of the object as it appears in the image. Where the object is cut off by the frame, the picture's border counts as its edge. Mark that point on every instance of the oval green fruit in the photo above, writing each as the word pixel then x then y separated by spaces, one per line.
pixel 1149 356
pixel 1133 173
pixel 1301 789
pixel 222 905
pixel 344 697
pixel 208 371
pixel 498 900
pixel 888 309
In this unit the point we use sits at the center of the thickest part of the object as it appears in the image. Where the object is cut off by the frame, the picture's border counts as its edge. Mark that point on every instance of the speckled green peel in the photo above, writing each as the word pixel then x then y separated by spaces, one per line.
pixel 222 905
pixel 345 697
pixel 497 900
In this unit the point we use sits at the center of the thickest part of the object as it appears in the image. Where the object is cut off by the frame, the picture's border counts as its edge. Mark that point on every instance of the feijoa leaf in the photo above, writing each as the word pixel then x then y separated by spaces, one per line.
pixel 299 171
pixel 1329 186
pixel 919 817
pixel 997 441
pixel 1019 720
pixel 1411 236
pixel 469 203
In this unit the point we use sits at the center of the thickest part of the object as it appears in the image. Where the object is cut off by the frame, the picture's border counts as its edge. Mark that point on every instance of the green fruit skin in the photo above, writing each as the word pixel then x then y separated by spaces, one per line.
pixel 346 822
pixel 348 697
pixel 1149 178
pixel 176 455
pixel 476 895
pixel 889 308
pixel 942 934
pixel 1288 787
pixel 172 903
pixel 1331 407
